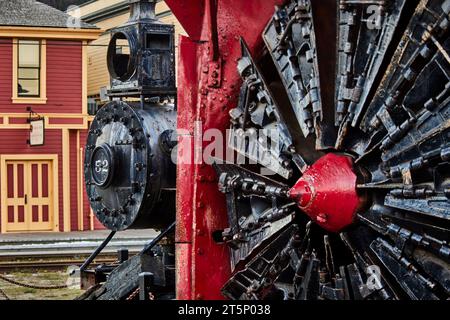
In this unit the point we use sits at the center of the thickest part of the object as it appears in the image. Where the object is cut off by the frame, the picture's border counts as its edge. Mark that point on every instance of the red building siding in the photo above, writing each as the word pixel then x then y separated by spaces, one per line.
pixel 5 74
pixel 64 74
pixel 64 78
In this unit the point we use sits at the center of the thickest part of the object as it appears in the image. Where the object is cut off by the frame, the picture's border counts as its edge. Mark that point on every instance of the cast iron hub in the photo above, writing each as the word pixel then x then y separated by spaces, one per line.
pixel 327 192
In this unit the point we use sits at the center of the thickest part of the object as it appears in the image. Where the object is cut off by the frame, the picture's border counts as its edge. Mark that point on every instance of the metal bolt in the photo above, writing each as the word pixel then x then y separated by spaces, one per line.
pixel 139 166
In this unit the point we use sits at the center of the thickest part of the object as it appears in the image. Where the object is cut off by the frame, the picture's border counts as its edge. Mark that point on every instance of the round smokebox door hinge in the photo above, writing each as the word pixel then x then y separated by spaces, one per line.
pixel 102 166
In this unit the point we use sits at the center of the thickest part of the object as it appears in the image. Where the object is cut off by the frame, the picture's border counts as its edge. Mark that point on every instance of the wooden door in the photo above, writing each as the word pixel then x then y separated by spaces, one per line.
pixel 29 196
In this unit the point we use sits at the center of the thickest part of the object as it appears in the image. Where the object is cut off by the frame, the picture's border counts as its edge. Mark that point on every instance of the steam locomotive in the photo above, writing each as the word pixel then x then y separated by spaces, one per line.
pixel 130 178
pixel 357 204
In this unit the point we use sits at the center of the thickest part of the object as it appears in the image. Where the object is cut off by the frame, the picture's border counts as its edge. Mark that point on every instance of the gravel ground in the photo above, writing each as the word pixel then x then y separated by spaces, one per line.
pixel 43 278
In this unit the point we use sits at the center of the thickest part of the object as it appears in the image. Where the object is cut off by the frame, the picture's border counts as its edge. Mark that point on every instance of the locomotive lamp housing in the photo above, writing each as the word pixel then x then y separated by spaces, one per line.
pixel 141 55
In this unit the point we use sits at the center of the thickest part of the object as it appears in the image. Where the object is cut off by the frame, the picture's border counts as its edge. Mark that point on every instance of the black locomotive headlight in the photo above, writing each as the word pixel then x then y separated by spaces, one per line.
pixel 122 55
pixel 102 166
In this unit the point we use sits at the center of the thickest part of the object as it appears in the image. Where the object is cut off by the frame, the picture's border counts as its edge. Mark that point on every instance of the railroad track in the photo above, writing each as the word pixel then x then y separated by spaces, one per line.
pixel 51 261
pixel 53 256
pixel 48 265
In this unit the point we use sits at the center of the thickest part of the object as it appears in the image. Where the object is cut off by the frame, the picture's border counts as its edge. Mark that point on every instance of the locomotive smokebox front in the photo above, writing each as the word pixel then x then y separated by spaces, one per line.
pixel 130 177
pixel 129 174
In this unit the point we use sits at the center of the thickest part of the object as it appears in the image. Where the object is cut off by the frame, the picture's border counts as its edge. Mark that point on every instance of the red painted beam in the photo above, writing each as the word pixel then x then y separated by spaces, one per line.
pixel 190 14
pixel 215 28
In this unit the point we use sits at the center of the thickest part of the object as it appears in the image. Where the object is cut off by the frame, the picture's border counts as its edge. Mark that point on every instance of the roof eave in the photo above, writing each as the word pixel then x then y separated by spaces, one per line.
pixel 49 33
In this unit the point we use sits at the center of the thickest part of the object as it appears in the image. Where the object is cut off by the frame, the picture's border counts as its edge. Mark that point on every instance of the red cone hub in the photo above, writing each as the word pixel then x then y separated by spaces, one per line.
pixel 327 192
